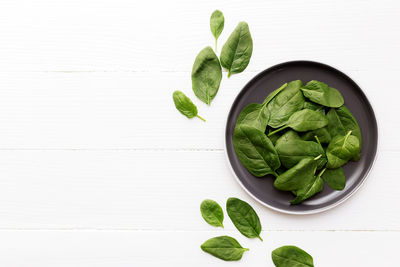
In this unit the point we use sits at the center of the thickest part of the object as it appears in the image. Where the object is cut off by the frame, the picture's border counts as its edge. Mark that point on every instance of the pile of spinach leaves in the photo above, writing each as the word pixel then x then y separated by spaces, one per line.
pixel 302 134
pixel 207 71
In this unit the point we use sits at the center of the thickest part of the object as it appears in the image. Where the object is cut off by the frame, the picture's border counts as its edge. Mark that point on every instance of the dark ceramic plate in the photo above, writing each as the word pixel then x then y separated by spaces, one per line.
pixel 258 88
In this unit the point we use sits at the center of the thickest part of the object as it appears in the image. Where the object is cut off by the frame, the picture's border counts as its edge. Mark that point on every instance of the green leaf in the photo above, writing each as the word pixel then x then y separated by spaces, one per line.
pixel 322 134
pixel 217 21
pixel 314 106
pixel 274 93
pixel 284 104
pixel 244 217
pixel 322 94
pixel 291 256
pixel 184 105
pixel 341 149
pixel 335 178
pixel 255 151
pixel 298 176
pixel 286 137
pixel 340 121
pixel 212 212
pixel 256 115
pixel 315 186
pixel 236 52
pixel 291 152
pixel 206 75
pixel 224 247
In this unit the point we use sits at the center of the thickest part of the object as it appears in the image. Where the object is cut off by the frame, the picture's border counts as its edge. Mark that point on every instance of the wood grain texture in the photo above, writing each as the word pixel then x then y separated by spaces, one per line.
pixel 125 249
pixel 152 190
pixel 135 110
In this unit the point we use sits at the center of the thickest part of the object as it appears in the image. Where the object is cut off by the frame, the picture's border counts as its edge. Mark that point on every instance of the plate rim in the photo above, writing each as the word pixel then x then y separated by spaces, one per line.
pixel 317 210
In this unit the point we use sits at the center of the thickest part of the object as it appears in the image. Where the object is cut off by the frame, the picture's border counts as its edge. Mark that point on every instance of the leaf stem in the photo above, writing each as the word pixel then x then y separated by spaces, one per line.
pixel 278 130
pixel 260 238
pixel 322 172
pixel 229 73
pixel 316 138
pixel 198 116
pixel 215 45
pixel 275 174
pixel 317 157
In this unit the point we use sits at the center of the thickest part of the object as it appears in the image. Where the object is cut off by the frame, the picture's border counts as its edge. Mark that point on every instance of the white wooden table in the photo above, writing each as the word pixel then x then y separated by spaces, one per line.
pixel 97 168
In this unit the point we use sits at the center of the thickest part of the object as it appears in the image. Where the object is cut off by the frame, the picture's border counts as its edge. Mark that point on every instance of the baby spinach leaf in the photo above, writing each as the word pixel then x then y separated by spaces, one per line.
pixel 322 94
pixel 217 21
pixel 274 93
pixel 206 75
pixel 315 186
pixel 335 178
pixel 291 256
pixel 291 152
pixel 286 137
pixel 304 120
pixel 298 176
pixel 322 134
pixel 314 106
pixel 340 121
pixel 212 212
pixel 341 149
pixel 255 151
pixel 224 247
pixel 184 105
pixel 236 52
pixel 256 115
pixel 284 104
pixel 244 217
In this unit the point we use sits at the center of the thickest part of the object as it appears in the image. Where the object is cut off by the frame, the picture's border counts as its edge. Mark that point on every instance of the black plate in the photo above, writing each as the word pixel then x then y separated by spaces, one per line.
pixel 258 88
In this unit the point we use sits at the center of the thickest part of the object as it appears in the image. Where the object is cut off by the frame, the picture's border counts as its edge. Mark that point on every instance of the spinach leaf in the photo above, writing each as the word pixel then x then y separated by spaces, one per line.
pixel 284 104
pixel 322 134
pixel 291 256
pixel 298 176
pixel 274 93
pixel 212 212
pixel 206 75
pixel 341 149
pixel 224 247
pixel 340 121
pixel 304 120
pixel 314 106
pixel 236 52
pixel 315 186
pixel 184 105
pixel 244 217
pixel 255 151
pixel 335 178
pixel 286 137
pixel 291 152
pixel 322 94
pixel 217 21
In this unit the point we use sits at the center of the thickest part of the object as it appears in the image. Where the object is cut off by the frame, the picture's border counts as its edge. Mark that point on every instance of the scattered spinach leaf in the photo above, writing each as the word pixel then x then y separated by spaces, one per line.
pixel 322 94
pixel 236 52
pixel 341 149
pixel 244 217
pixel 212 212
pixel 335 178
pixel 255 151
pixel 206 75
pixel 291 256
pixel 217 22
pixel 224 247
pixel 184 105
pixel 285 103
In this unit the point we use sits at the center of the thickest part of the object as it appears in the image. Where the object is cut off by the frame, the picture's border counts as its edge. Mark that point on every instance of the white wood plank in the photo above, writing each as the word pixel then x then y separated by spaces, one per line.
pixel 180 248
pixel 135 110
pixel 162 190
pixel 152 35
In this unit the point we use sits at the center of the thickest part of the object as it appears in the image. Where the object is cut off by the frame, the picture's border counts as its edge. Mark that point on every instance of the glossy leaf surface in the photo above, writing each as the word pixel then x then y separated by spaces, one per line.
pixel 212 212
pixel 224 247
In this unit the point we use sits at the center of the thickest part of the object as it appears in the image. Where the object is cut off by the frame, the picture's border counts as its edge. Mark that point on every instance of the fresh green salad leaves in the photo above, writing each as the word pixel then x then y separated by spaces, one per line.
pixel 291 256
pixel 244 217
pixel 217 22
pixel 236 52
pixel 224 247
pixel 185 105
pixel 206 75
pixel 212 212
pixel 267 141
